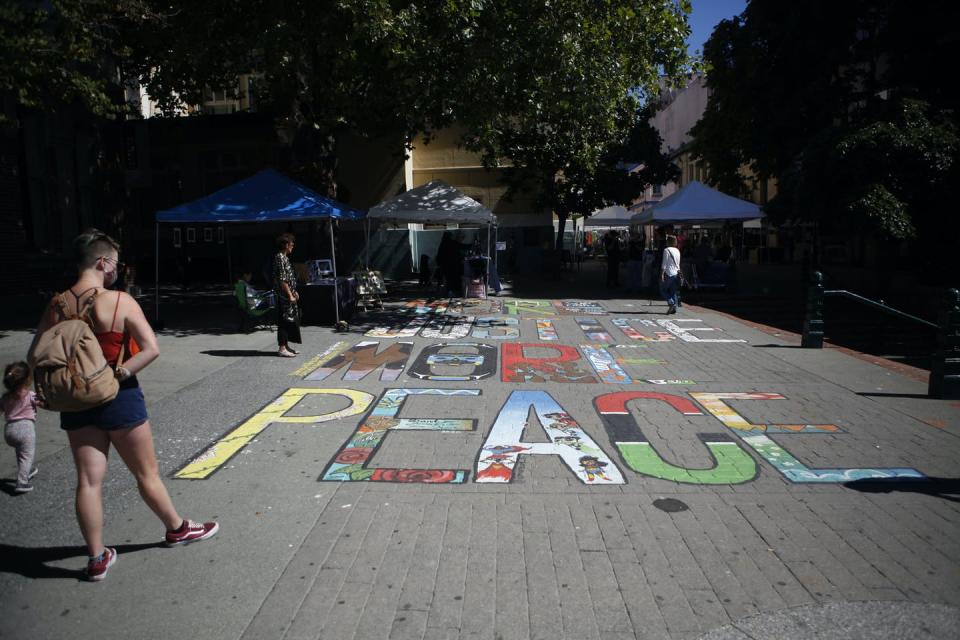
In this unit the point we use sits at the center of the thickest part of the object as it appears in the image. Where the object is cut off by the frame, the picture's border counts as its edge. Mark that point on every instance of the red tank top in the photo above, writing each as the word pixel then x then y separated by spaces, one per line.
pixel 111 341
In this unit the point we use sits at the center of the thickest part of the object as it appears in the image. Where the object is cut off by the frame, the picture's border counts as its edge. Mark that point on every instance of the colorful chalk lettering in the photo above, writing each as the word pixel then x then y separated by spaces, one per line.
pixel 447 327
pixel 529 307
pixel 731 464
pixel 686 333
pixel 217 454
pixel 623 354
pixel 504 445
pixel 407 330
pixel 496 328
pixel 566 367
pixel 546 332
pixel 605 364
pixel 661 381
pixel 754 435
pixel 624 325
pixel 476 361
pixel 593 330
pixel 658 336
pixel 333 350
pixel 584 307
pixel 350 463
pixel 362 358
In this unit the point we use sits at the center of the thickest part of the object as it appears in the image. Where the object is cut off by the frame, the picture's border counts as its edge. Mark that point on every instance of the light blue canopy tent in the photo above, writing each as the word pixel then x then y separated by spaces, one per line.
pixel 696 203
pixel 267 196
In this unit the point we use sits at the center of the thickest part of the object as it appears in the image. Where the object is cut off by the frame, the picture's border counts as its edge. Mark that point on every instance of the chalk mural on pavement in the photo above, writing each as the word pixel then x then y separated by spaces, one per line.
pixel 565 367
pixel 731 464
pixel 217 454
pixel 362 358
pixel 350 462
pixel 584 307
pixel 496 328
pixel 605 364
pixel 754 435
pixel 447 327
pixel 593 330
pixel 504 445
pixel 686 333
pixel 473 361
pixel 546 332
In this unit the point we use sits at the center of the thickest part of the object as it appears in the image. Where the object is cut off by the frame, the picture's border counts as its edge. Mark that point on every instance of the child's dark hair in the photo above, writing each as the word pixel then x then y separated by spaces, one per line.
pixel 15 376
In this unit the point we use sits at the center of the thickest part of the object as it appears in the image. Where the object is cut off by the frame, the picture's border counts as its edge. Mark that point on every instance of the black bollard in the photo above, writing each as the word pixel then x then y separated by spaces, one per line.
pixel 945 372
pixel 813 321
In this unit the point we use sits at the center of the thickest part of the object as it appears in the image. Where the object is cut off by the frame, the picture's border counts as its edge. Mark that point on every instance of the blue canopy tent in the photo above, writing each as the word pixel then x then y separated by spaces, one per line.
pixel 696 203
pixel 265 197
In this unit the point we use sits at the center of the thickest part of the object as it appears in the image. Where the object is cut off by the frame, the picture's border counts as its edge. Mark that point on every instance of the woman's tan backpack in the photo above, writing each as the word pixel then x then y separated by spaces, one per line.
pixel 70 371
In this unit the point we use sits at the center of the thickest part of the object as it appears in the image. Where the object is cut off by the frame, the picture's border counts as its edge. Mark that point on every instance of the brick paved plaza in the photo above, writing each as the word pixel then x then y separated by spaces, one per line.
pixel 573 469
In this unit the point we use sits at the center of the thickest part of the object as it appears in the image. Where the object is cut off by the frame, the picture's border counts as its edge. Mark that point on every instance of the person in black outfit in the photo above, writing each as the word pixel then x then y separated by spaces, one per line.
pixel 450 262
pixel 611 244
pixel 285 290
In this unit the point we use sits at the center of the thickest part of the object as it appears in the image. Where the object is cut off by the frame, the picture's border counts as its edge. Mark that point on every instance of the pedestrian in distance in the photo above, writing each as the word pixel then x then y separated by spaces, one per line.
pixel 635 263
pixel 285 291
pixel 119 326
pixel 670 274
pixel 20 414
pixel 611 244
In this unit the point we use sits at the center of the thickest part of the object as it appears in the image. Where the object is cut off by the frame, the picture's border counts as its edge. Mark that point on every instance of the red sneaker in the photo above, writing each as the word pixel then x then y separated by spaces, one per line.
pixel 191 531
pixel 97 570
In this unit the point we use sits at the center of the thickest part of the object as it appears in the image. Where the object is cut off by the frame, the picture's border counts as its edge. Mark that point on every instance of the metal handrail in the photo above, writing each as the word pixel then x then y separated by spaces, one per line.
pixel 877 304
pixel 945 371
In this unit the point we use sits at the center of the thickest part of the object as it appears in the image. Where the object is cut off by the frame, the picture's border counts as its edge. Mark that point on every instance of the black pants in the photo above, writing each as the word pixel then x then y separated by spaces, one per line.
pixel 286 331
pixel 613 273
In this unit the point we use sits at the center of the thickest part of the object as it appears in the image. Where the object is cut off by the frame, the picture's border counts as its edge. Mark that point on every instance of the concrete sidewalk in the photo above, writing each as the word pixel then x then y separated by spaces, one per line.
pixel 694 513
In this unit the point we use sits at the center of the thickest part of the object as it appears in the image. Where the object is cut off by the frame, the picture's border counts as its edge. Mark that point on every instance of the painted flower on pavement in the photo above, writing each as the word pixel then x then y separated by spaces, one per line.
pixel 354 455
pixel 414 475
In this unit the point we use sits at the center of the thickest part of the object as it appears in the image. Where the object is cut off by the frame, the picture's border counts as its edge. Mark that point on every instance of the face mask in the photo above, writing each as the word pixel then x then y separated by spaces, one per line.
pixel 109 273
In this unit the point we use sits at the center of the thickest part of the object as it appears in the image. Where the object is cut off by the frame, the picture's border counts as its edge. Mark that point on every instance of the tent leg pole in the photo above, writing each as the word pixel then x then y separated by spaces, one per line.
pixel 366 225
pixel 226 238
pixel 156 276
pixel 333 261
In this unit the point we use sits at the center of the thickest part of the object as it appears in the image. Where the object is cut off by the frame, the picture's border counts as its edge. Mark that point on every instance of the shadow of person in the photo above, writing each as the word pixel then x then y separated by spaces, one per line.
pixel 946 488
pixel 238 353
pixel 31 562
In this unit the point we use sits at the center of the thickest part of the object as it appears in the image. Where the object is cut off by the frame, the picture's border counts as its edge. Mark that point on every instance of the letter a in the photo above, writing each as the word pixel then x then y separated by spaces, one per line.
pixel 503 447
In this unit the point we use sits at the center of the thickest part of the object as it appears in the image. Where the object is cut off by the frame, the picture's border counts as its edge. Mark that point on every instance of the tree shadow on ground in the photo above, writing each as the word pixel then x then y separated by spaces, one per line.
pixel 946 488
pixel 31 562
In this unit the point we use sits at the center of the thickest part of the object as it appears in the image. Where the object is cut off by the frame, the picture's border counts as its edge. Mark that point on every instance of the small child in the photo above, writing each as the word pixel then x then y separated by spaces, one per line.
pixel 20 412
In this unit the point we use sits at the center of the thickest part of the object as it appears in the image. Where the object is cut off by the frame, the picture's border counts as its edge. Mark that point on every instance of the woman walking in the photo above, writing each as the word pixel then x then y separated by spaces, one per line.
pixel 285 289
pixel 670 274
pixel 119 326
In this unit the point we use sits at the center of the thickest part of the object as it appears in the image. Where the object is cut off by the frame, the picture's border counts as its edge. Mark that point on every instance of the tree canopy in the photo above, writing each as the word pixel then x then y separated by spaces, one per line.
pixel 846 104
pixel 548 87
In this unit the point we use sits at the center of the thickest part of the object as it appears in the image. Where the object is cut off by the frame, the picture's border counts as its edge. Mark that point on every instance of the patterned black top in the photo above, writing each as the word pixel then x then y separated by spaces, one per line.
pixel 283 272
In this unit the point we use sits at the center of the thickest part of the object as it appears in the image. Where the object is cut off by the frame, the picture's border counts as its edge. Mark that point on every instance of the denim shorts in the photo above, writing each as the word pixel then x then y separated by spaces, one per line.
pixel 126 411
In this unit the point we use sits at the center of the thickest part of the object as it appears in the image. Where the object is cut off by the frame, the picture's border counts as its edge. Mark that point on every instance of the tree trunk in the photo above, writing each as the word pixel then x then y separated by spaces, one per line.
pixel 561 226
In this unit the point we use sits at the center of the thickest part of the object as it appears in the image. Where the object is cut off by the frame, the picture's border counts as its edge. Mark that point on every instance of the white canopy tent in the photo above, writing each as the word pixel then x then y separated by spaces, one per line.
pixel 433 203
pixel 614 216
pixel 696 203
